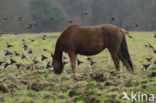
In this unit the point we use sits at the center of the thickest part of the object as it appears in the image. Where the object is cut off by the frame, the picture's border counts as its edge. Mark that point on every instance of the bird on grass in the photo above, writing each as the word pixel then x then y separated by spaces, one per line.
pixel 7 53
pixel 12 61
pixel 18 65
pixel 23 56
pixel 6 65
pixel 9 45
pixel 16 54
pixel 35 61
pixel 48 66
pixel 92 63
pixel 30 51
pixel 28 67
pixel 130 36
pixel 146 66
pixel 16 33
pixel 44 49
pixel 43 57
pixel 2 62
pixel 79 62
pixel 25 46
pixel 89 58
pixel 148 59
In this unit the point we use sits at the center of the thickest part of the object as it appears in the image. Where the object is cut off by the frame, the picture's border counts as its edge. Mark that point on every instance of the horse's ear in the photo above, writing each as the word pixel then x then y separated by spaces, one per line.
pixel 52 55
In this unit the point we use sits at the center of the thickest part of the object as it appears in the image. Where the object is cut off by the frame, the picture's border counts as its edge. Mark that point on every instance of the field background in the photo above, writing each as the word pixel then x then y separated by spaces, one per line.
pixel 99 83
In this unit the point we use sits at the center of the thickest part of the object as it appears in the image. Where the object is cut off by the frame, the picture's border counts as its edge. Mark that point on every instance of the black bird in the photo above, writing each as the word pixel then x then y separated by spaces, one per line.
pixel 5 18
pixel 85 13
pixel 70 21
pixel 79 62
pixel 23 40
pixel 43 57
pixel 1 33
pixel 64 57
pixel 32 40
pixel 51 18
pixel 35 61
pixel 30 51
pixel 8 45
pixel 18 65
pixel 44 49
pixel 148 59
pixel 150 46
pixel 6 65
pixel 92 62
pixel 136 25
pixel 12 61
pixel 113 18
pixel 65 62
pixel 154 50
pixel 25 46
pixel 20 18
pixel 146 66
pixel 130 36
pixel 146 45
pixel 28 67
pixel 23 56
pixel 89 58
pixel 29 26
pixel 1 62
pixel 16 33
pixel 154 62
pixel 43 38
pixel 16 54
pixel 48 66
pixel 6 52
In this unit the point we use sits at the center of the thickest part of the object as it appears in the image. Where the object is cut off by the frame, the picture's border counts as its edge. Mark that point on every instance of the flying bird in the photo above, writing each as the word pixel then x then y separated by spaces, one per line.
pixel 43 57
pixel 148 59
pixel 146 66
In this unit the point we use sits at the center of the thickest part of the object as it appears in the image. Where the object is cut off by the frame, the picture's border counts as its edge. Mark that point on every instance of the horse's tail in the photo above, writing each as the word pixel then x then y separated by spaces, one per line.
pixel 124 50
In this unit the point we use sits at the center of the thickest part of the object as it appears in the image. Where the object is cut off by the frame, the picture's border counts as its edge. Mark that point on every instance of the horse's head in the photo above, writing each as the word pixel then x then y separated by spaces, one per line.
pixel 57 64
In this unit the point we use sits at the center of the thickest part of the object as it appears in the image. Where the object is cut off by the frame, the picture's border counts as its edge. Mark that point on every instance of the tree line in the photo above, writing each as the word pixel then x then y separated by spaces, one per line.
pixel 54 15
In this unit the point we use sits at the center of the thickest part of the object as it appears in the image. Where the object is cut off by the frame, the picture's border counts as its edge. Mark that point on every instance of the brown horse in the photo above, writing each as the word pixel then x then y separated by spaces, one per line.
pixel 91 40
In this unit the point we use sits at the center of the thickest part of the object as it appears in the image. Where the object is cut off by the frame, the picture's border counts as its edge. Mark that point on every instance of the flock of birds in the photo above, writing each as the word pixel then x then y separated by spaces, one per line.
pixel 27 48
pixel 149 59
pixel 10 53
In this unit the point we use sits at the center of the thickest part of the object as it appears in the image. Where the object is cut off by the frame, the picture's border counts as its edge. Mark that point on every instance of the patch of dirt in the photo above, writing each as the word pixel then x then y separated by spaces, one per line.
pixel 152 75
pixel 72 92
pixel 82 77
pixel 36 86
pixel 112 101
pixel 3 88
pixel 99 77
pixel 12 87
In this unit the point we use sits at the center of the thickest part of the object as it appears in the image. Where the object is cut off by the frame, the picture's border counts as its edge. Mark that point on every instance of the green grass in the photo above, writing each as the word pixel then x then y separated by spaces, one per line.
pixel 42 86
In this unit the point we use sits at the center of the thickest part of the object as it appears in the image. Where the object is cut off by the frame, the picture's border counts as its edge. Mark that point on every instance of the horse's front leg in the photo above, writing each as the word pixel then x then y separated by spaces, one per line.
pixel 73 58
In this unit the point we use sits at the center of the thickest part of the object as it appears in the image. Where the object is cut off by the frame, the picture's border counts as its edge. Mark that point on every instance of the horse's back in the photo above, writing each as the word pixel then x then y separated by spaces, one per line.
pixel 89 39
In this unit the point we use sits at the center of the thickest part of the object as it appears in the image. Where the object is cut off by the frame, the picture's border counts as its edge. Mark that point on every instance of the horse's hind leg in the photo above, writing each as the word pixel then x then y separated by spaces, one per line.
pixel 115 58
pixel 124 61
pixel 73 57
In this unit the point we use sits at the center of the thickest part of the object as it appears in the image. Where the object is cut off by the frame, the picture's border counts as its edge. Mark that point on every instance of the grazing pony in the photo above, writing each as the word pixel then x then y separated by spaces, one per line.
pixel 91 40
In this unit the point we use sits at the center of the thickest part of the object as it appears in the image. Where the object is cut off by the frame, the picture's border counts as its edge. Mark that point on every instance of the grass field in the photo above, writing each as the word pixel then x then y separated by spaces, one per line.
pixel 99 83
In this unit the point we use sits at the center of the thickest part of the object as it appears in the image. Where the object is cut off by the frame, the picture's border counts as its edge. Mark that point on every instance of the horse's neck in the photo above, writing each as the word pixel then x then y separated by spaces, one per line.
pixel 58 52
